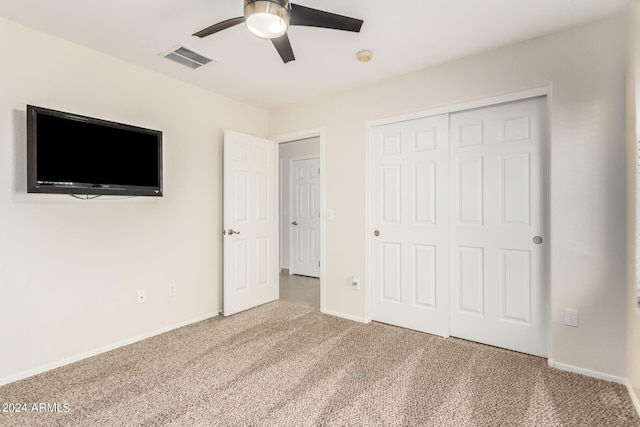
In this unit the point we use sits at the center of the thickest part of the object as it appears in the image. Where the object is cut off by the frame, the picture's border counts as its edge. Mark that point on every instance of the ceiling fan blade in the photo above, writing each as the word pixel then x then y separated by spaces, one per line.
pixel 219 27
pixel 283 46
pixel 302 15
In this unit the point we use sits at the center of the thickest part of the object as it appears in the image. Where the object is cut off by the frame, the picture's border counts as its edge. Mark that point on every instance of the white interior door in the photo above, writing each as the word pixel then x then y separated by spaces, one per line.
pixel 250 200
pixel 304 234
pixel 409 218
pixel 498 213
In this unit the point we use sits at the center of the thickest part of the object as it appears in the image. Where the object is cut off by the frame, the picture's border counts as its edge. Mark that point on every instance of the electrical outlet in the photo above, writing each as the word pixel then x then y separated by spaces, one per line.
pixel 571 317
pixel 172 290
pixel 355 283
pixel 142 296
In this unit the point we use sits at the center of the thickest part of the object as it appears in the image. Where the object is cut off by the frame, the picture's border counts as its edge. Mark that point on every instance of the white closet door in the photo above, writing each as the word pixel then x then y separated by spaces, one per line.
pixel 409 217
pixel 498 226
pixel 305 217
pixel 250 249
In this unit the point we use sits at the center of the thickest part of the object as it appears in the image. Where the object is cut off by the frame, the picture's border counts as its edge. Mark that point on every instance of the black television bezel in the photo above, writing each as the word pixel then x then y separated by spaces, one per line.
pixel 93 189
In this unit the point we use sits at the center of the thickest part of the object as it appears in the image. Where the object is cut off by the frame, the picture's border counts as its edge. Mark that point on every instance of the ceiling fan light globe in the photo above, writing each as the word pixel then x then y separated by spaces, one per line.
pixel 266 19
pixel 266 26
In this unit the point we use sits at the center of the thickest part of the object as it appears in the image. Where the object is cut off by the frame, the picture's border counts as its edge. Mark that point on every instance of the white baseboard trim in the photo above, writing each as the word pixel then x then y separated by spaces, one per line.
pixel 634 397
pixel 587 372
pixel 346 316
pixel 95 352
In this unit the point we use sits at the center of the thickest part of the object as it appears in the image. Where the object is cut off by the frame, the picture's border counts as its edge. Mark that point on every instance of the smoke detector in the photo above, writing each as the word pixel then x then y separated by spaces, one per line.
pixel 364 56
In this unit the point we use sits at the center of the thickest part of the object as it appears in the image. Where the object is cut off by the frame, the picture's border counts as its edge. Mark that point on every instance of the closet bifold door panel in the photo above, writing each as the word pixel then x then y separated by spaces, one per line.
pixel 498 239
pixel 409 218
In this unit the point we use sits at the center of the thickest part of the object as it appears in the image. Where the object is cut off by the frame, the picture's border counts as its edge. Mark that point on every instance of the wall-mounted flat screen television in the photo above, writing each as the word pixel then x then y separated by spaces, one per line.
pixel 73 154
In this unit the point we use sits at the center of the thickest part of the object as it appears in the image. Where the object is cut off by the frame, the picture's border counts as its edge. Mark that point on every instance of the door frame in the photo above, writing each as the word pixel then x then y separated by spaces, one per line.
pixel 290 207
pixel 297 136
pixel 454 108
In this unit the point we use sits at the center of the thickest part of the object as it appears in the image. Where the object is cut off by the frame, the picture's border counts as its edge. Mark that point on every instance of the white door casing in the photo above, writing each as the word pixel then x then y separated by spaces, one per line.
pixel 304 235
pixel 498 209
pixel 409 212
pixel 250 218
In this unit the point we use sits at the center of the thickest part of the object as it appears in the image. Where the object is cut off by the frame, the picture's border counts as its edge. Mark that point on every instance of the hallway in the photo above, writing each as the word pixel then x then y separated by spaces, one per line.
pixel 300 289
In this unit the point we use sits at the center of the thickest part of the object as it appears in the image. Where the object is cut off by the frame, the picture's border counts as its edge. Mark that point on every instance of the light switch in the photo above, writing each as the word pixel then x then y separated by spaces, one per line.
pixel 329 213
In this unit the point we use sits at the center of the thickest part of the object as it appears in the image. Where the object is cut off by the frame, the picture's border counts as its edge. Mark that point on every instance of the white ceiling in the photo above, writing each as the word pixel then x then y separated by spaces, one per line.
pixel 404 35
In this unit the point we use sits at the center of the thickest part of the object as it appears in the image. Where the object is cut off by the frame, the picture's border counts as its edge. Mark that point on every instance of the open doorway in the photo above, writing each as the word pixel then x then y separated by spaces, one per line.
pixel 300 221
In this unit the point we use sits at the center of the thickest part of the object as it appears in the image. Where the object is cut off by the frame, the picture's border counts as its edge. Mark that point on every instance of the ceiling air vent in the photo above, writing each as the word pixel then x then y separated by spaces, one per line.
pixel 186 56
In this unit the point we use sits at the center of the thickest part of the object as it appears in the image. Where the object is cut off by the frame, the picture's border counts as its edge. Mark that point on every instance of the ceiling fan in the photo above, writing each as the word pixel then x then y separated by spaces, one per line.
pixel 270 19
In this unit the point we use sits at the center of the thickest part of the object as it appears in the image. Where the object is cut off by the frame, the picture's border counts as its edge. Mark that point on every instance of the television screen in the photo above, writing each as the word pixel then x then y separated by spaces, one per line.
pixel 72 154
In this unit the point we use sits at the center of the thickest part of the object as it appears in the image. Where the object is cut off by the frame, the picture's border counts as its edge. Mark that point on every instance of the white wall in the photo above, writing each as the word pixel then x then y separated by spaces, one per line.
pixel 291 150
pixel 70 269
pixel 633 135
pixel 585 68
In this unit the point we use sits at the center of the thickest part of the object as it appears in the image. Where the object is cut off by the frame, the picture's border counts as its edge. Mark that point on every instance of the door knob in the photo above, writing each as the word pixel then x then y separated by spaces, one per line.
pixel 232 231
pixel 376 233
pixel 537 240
pixel 294 223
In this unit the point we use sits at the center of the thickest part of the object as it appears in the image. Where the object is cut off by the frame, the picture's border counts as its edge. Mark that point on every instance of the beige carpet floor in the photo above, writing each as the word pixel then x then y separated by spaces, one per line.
pixel 285 364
